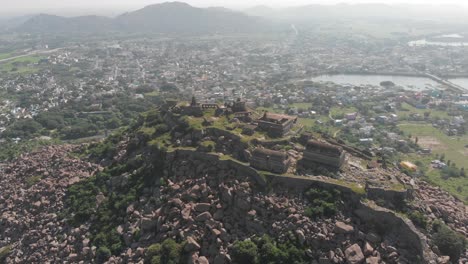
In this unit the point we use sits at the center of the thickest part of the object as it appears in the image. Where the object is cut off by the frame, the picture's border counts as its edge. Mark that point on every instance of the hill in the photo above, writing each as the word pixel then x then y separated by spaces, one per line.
pixel 171 17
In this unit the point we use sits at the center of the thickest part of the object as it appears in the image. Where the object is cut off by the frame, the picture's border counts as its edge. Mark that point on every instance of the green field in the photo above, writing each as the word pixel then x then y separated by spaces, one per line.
pixel 21 65
pixel 414 110
pixel 5 55
pixel 453 148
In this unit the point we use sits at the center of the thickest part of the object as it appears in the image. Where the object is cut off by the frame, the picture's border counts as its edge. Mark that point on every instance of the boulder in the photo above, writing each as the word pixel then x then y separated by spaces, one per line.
pixel 202 207
pixel 368 249
pixel 342 228
pixel 203 260
pixel 354 254
pixel 300 236
pixel 203 217
pixel 148 223
pixel 191 245
pixel 443 260
pixel 373 260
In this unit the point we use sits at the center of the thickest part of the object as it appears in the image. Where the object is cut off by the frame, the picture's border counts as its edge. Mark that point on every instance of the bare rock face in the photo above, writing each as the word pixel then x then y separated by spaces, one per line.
pixel 342 228
pixel 354 254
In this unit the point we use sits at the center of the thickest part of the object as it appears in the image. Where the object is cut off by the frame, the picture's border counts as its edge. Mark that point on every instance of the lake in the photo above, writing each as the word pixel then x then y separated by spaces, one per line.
pixel 450 40
pixel 407 82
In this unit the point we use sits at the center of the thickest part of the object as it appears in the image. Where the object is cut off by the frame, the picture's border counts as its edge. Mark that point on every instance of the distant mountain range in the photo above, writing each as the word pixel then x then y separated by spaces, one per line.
pixel 171 17
pixel 181 18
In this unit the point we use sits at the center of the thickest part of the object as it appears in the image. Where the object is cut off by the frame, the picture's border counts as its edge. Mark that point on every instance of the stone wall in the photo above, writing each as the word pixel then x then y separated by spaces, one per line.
pixel 399 229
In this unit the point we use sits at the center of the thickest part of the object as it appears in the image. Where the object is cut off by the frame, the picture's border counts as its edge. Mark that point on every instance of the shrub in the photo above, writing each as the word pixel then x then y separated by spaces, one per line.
pixel 103 254
pixel 449 242
pixel 245 252
pixel 323 203
pixel 4 252
pixel 418 219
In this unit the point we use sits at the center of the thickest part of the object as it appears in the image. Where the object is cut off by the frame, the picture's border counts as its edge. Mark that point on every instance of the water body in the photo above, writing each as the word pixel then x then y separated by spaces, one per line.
pixel 463 82
pixel 451 40
pixel 407 82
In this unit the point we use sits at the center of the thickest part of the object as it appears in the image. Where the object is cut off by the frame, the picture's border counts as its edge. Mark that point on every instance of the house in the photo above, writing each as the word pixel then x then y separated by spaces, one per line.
pixel 270 160
pixel 276 125
pixel 323 153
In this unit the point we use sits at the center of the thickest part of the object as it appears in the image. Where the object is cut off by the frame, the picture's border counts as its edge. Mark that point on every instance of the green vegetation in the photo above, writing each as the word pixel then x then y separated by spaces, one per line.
pixel 169 252
pixel 419 219
pixel 103 254
pixel 449 242
pixel 245 252
pixel 4 252
pixel 22 65
pixel 265 250
pixel 323 203
pixel 30 181
pixel 407 110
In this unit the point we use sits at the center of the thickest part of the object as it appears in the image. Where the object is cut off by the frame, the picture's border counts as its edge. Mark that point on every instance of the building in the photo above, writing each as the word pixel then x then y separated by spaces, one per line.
pixel 276 125
pixel 194 108
pixel 270 160
pixel 239 106
pixel 323 153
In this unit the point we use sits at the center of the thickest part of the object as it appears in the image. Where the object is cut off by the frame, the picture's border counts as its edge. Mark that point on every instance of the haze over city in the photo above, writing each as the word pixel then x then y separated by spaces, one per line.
pixel 234 132
pixel 113 7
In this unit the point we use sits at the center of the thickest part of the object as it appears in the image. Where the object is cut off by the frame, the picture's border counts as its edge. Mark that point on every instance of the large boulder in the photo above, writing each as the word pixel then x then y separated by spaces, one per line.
pixel 354 254
pixel 191 245
pixel 342 228
pixel 203 217
pixel 202 207
pixel 148 223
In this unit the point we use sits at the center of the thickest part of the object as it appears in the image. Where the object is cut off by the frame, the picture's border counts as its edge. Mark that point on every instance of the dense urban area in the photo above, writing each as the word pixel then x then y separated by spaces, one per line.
pixel 307 144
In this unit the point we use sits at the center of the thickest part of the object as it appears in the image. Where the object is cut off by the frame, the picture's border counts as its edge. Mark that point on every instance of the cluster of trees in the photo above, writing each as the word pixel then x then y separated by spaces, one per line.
pixel 168 252
pixel 265 250
pixel 448 241
pixel 323 203
pixel 70 123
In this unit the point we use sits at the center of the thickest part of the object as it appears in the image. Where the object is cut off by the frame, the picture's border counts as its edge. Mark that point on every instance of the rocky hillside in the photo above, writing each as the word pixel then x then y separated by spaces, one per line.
pixel 139 198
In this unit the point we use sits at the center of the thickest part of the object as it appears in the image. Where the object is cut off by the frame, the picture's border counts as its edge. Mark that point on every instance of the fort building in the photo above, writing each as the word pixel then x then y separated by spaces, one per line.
pixel 270 160
pixel 323 153
pixel 276 125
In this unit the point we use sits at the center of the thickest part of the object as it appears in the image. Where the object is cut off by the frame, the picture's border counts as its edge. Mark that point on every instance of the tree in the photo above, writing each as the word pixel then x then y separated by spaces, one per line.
pixel 449 242
pixel 245 252
pixel 103 254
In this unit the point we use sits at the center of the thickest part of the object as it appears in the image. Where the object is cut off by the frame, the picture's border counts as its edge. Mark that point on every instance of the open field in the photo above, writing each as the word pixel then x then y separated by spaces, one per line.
pixel 414 110
pixel 451 146
pixel 21 65
pixel 454 150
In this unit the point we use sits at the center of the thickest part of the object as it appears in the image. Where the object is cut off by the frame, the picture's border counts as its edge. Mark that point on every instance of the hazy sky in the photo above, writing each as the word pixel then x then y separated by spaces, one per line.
pixel 28 6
